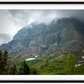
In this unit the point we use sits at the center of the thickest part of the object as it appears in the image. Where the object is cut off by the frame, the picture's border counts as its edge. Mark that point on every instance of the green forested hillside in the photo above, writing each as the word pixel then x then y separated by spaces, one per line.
pixel 52 64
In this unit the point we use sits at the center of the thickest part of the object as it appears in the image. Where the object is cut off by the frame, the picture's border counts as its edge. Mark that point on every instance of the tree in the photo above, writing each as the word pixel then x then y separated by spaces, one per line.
pixel 70 64
pixel 13 70
pixel 33 71
pixel 3 62
pixel 24 69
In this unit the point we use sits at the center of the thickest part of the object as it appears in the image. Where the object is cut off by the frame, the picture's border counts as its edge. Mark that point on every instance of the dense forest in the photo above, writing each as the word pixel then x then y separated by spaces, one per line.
pixel 7 69
pixel 61 64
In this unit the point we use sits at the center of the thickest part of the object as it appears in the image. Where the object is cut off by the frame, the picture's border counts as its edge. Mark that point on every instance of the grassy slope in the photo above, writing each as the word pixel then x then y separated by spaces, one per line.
pixel 49 64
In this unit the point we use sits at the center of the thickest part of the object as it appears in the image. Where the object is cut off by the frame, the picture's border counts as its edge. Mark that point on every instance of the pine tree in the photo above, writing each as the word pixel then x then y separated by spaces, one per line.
pixel 24 69
pixel 3 62
pixel 13 70
pixel 5 57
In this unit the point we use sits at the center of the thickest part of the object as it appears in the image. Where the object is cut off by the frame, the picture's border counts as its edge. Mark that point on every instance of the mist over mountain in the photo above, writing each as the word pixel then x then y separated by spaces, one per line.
pixel 62 35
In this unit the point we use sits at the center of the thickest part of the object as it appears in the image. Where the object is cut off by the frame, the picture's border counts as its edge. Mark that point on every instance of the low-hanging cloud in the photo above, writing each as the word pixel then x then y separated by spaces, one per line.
pixel 4 38
pixel 13 20
pixel 24 17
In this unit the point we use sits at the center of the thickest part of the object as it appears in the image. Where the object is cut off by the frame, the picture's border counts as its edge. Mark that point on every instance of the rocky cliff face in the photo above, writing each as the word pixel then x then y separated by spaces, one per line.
pixel 63 35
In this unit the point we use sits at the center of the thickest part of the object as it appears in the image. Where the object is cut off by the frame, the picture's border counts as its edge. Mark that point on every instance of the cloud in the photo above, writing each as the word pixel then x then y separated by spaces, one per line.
pixel 6 25
pixel 4 38
pixel 24 17
pixel 72 13
pixel 13 20
pixel 7 28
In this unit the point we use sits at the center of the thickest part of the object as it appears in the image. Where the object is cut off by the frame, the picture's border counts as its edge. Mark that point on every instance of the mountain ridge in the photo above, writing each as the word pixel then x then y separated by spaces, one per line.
pixel 56 37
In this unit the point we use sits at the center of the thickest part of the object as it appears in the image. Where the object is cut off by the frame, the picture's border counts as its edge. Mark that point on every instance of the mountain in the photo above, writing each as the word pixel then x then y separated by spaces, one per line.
pixel 62 35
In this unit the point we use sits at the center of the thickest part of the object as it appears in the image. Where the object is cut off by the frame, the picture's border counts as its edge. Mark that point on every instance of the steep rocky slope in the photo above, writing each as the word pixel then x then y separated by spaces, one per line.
pixel 63 35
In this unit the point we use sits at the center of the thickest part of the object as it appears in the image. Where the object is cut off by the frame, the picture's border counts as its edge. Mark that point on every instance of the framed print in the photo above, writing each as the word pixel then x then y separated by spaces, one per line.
pixel 42 42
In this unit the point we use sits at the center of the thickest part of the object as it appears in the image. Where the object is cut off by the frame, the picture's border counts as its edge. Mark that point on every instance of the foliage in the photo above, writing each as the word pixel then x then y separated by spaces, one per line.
pixel 24 69
pixel 34 71
pixel 57 64
pixel 70 64
pixel 13 70
pixel 3 62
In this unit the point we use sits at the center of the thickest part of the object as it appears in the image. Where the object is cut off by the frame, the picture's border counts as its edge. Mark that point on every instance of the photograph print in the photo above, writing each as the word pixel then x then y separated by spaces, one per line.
pixel 41 42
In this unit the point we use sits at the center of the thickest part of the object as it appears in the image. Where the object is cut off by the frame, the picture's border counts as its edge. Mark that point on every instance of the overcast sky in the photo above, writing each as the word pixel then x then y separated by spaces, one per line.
pixel 11 21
